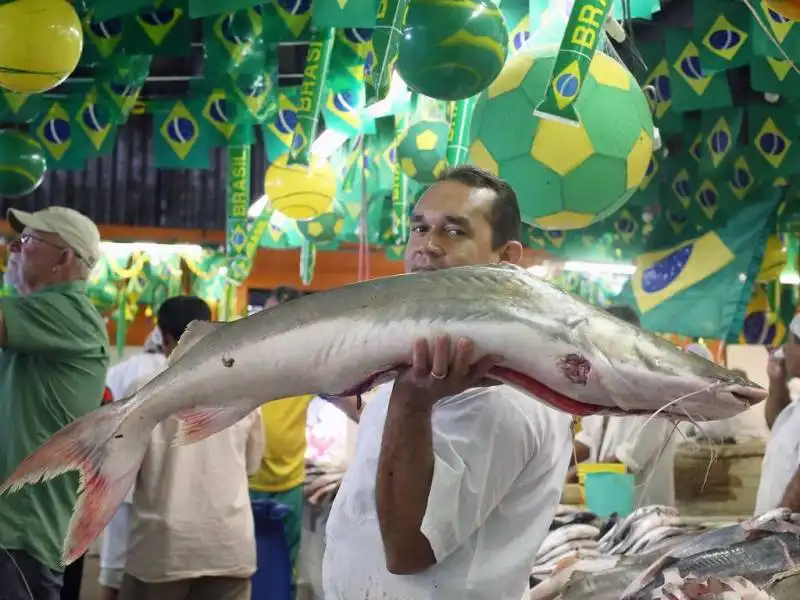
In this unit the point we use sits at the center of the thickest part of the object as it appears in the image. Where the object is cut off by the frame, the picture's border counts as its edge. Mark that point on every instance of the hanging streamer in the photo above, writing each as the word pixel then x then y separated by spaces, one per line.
pixel 400 206
pixel 237 232
pixel 308 260
pixel 457 150
pixel 385 44
pixel 578 45
pixel 318 60
pixel 238 200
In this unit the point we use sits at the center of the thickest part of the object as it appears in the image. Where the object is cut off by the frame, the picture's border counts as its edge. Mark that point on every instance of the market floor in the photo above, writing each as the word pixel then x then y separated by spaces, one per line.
pixel 90 589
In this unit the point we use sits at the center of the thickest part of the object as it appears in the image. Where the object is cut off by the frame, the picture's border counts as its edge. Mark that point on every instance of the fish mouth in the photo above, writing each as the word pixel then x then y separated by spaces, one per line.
pixel 749 395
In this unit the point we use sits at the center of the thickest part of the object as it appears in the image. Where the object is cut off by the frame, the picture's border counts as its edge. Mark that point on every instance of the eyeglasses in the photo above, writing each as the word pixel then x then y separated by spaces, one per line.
pixel 26 237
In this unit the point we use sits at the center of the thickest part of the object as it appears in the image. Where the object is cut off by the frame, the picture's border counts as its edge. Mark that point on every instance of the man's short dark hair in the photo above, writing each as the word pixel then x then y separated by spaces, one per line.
pixel 505 218
pixel 624 312
pixel 177 312
pixel 285 294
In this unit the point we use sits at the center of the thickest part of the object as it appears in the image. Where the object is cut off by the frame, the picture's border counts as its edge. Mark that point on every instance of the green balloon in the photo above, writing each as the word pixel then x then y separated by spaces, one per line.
pixel 22 163
pixel 452 50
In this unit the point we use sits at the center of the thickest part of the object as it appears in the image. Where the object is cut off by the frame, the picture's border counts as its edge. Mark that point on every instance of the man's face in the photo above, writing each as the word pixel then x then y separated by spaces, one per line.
pixel 33 255
pixel 450 227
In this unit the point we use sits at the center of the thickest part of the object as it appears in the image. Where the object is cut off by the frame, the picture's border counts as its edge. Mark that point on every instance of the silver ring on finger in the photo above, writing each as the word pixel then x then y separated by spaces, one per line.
pixel 438 375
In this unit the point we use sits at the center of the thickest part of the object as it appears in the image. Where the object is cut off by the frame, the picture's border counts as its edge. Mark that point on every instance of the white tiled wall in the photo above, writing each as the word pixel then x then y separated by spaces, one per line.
pixel 752 360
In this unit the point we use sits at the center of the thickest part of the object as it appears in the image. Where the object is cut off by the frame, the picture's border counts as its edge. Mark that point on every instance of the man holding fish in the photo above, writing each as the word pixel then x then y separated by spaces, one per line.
pixel 453 483
pixel 447 476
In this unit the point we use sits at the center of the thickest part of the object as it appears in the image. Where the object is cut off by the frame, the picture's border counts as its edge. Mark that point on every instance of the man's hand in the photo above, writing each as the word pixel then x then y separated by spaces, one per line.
pixel 776 368
pixel 435 374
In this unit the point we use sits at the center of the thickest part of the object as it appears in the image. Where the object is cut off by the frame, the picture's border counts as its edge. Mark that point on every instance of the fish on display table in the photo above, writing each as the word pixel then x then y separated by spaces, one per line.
pixel 785 586
pixel 677 561
pixel 555 347
pixel 780 520
pixel 757 561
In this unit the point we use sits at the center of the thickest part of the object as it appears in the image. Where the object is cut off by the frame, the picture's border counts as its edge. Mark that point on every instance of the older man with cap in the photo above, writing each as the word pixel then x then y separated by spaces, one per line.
pixel 780 470
pixel 53 365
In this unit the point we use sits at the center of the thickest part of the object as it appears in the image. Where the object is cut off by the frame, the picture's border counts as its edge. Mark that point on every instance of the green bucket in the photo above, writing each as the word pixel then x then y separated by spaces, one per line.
pixel 608 493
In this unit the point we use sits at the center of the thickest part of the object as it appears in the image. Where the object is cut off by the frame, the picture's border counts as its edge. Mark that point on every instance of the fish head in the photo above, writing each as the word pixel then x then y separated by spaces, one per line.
pixel 685 386
pixel 715 392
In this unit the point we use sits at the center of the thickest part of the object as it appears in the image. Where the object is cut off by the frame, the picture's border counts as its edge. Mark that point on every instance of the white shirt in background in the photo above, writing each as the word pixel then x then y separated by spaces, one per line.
pixel 191 515
pixel 646 448
pixel 500 460
pixel 781 459
pixel 121 380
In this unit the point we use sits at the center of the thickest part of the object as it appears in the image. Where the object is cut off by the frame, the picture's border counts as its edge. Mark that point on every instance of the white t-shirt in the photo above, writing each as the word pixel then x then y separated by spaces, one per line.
pixel 191 515
pixel 123 379
pixel 781 459
pixel 500 460
pixel 647 449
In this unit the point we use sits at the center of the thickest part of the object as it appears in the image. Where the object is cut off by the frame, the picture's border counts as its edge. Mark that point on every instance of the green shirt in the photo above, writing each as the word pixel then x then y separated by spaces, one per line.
pixel 52 371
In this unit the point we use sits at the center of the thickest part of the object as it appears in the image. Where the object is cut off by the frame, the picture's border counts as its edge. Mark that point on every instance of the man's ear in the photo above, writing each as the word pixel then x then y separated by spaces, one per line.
pixel 512 252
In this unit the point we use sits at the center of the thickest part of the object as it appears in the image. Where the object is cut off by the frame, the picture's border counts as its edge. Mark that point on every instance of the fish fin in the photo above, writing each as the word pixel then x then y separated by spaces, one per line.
pixel 195 331
pixel 107 464
pixel 196 424
pixel 645 578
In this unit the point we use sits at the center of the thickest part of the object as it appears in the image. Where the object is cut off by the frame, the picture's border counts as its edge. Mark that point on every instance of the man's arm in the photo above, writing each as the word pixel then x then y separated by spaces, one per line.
pixel 255 443
pixel 777 399
pixel 580 453
pixel 405 473
pixel 37 324
pixel 643 441
pixel 791 497
pixel 436 487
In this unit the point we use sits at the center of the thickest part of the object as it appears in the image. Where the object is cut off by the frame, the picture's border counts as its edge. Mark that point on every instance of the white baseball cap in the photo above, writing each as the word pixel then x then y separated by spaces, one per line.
pixel 77 230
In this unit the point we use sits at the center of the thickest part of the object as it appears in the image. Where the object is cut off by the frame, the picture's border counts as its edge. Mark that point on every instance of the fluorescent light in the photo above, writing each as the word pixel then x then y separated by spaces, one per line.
pixel 790 278
pixel 330 141
pixel 257 207
pixel 327 143
pixel 152 249
pixel 600 268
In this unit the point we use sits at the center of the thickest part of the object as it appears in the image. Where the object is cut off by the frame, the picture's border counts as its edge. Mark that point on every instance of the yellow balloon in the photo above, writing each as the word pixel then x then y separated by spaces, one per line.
pixel 774 260
pixel 300 192
pixel 40 44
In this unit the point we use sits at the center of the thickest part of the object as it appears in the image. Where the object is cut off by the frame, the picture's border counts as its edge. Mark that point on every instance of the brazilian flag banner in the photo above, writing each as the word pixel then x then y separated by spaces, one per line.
pixel 710 276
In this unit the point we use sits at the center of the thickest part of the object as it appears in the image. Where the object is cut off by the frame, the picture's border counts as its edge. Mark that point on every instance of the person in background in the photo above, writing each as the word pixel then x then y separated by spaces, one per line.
pixel 646 447
pixel 53 366
pixel 454 481
pixel 780 469
pixel 121 378
pixel 281 474
pixel 191 525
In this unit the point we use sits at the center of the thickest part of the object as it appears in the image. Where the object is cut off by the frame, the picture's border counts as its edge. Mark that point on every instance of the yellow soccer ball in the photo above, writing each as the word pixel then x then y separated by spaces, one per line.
pixel 40 44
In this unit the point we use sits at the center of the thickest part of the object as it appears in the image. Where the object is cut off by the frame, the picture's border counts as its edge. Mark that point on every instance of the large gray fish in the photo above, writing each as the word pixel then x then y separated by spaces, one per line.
pixel 757 561
pixel 555 346
pixel 779 520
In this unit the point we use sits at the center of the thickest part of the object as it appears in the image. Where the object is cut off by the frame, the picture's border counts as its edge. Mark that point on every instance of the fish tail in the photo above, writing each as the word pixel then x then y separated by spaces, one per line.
pixel 107 456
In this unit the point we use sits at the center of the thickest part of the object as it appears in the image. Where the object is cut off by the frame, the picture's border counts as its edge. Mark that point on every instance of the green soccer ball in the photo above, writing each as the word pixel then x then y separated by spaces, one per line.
pixel 22 163
pixel 566 176
pixel 422 151
pixel 452 50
